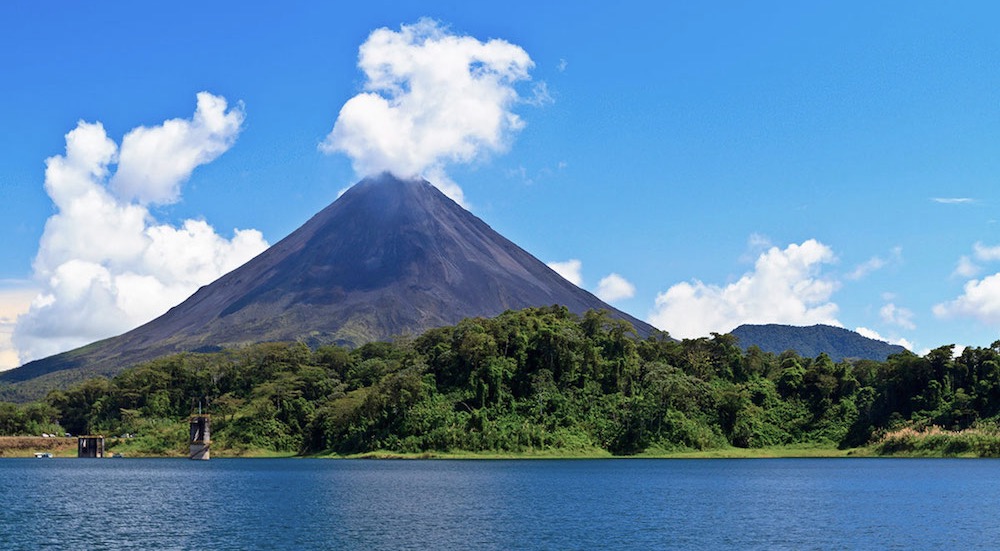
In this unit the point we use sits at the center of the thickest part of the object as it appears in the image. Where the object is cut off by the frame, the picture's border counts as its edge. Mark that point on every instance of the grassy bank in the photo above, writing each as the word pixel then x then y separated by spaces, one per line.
pixel 27 446
pixel 7 451
pixel 908 442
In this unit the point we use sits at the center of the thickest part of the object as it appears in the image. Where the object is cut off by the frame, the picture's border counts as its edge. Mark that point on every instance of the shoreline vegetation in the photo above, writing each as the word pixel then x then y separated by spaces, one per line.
pixel 932 442
pixel 533 383
pixel 908 444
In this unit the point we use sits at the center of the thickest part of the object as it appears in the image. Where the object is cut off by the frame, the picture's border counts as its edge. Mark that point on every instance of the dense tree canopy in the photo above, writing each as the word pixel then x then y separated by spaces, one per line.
pixel 534 379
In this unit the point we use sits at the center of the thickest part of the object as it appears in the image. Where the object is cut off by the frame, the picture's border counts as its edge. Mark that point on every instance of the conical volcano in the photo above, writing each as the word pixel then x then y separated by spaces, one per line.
pixel 389 257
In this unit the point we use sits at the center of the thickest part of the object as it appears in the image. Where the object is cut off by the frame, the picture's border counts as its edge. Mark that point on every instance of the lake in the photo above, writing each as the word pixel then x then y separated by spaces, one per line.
pixel 517 504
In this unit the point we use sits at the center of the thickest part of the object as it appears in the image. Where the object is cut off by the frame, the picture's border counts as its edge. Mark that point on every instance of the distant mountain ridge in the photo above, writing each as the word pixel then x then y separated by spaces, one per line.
pixel 389 257
pixel 811 341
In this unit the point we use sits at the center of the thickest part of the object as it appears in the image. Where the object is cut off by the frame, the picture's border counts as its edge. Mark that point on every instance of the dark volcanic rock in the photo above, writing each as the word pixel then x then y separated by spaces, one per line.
pixel 389 257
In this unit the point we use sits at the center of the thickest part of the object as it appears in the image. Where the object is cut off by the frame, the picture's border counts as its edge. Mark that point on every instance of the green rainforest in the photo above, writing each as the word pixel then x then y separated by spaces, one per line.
pixel 536 381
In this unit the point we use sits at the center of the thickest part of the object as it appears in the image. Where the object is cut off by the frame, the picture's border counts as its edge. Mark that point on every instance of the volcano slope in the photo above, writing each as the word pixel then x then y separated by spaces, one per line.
pixel 390 257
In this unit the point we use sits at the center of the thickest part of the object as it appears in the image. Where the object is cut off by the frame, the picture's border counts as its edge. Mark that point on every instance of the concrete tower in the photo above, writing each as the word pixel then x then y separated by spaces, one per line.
pixel 200 436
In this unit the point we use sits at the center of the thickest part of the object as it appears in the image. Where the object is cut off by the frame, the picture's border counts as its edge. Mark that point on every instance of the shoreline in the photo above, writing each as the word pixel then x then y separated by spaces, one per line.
pixel 62 447
pixel 722 453
pixel 27 446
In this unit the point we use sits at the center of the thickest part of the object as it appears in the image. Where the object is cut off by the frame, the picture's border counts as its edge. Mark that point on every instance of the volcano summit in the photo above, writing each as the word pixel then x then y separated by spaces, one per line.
pixel 389 257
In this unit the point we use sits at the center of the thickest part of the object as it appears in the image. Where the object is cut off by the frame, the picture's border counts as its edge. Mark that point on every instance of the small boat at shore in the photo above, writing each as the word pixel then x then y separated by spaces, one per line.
pixel 43 455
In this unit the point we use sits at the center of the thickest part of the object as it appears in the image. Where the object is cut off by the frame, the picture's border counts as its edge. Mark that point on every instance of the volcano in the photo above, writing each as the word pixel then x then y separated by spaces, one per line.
pixel 389 257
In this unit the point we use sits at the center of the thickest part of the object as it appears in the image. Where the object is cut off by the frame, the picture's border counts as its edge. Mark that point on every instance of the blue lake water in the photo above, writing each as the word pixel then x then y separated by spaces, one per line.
pixel 520 504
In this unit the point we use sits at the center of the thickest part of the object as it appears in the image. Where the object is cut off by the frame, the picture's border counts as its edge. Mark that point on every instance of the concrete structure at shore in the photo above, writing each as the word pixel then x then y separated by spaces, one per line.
pixel 90 445
pixel 201 438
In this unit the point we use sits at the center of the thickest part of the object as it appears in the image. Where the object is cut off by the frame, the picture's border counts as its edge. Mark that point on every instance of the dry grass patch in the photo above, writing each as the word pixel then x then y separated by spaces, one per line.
pixel 26 446
pixel 933 441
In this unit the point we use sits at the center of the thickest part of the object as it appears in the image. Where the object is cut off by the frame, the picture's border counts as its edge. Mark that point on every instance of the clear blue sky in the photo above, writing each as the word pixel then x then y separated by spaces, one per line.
pixel 766 161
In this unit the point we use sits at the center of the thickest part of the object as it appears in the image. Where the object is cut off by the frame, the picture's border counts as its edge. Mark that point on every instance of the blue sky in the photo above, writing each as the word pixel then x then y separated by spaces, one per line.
pixel 730 162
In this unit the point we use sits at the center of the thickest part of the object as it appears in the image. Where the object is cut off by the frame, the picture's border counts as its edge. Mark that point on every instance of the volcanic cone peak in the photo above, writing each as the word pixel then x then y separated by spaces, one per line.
pixel 389 257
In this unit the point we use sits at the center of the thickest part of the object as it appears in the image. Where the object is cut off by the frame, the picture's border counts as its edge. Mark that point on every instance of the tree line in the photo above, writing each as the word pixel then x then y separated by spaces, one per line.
pixel 533 379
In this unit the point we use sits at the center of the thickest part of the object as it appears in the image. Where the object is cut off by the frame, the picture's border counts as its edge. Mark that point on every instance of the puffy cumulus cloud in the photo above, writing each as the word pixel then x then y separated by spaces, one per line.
pixel 153 162
pixel 571 270
pixel 431 98
pixel 104 264
pixel 610 289
pixel 872 334
pixel 979 300
pixel 896 315
pixel 614 287
pixel 786 286
pixel 967 268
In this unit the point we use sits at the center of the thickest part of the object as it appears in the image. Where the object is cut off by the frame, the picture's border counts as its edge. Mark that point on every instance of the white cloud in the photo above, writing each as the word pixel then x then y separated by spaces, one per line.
pixel 756 244
pixel 759 243
pixel 520 173
pixel 15 299
pixel 872 264
pixel 956 350
pixel 876 263
pixel 570 270
pixel 104 264
pixel 610 289
pixel 966 268
pixel 153 162
pixel 896 315
pixel 431 98
pixel 980 300
pixel 905 343
pixel 953 200
pixel 785 287
pixel 985 253
pixel 872 334
pixel 614 287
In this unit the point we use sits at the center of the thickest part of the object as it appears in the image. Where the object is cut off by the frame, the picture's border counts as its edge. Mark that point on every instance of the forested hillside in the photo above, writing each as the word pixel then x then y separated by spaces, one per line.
pixel 528 380
pixel 811 341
